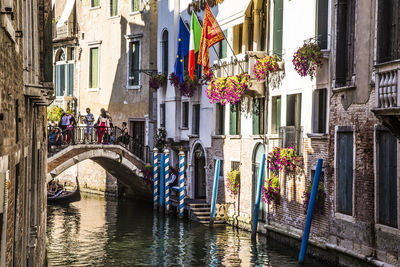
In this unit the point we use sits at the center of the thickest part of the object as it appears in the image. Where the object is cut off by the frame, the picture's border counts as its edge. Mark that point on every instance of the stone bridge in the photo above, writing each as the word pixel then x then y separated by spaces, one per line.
pixel 115 159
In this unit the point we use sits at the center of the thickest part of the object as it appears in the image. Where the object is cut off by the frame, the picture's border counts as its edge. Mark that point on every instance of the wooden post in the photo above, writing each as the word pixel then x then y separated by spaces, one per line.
pixel 181 183
pixel 155 177
pixel 166 152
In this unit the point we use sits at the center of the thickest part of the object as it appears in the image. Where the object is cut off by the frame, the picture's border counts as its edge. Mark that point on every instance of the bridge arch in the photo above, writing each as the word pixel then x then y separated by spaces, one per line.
pixel 115 159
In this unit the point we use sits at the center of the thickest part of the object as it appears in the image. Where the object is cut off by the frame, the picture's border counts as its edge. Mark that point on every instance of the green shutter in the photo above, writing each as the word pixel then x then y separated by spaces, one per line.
pixel 278 114
pixel 58 86
pixel 94 68
pixel 223 47
pixel 298 110
pixel 95 3
pixel 232 120
pixel 114 8
pixel 70 79
pixel 256 115
pixel 62 79
pixel 134 64
pixel 135 5
pixel 278 27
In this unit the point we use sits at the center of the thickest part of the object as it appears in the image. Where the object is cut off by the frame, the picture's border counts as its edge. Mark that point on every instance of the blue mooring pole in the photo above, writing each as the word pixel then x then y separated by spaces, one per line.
pixel 162 183
pixel 310 212
pixel 181 183
pixel 155 177
pixel 258 196
pixel 215 191
pixel 166 171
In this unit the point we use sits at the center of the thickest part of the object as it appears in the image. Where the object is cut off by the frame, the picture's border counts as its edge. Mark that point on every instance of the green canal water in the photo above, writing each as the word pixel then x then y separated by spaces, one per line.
pixel 99 232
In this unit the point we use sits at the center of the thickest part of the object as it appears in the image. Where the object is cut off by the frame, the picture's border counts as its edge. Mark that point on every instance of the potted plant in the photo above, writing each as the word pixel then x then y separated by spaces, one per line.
pixel 282 159
pixel 319 201
pixel 265 66
pixel 228 89
pixel 271 190
pixel 233 181
pixel 307 59
pixel 188 86
pixel 157 80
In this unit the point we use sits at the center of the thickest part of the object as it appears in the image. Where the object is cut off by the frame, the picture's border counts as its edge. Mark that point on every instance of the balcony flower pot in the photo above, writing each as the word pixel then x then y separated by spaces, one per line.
pixel 157 80
pixel 228 89
pixel 265 66
pixel 307 59
pixel 188 86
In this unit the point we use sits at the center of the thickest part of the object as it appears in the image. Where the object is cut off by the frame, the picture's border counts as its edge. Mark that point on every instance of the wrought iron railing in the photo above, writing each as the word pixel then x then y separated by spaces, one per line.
pixel 90 135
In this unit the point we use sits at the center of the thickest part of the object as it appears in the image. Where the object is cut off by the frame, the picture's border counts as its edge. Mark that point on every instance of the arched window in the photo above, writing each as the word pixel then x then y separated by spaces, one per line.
pixel 64 78
pixel 60 55
pixel 164 51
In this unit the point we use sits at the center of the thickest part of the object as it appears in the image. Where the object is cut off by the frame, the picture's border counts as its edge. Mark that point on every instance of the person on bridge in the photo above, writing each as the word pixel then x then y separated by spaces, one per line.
pixel 124 137
pixel 102 123
pixel 88 120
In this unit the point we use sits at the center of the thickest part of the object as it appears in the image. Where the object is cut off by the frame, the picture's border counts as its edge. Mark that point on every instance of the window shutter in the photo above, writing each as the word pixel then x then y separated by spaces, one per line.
pixel 387 184
pixel 223 47
pixel 322 111
pixel 232 121
pixel 135 5
pixel 58 81
pixel 94 67
pixel 256 115
pixel 278 27
pixel 322 24
pixel 298 111
pixel 345 173
pixel 135 64
pixel 70 91
pixel 62 79
pixel 278 114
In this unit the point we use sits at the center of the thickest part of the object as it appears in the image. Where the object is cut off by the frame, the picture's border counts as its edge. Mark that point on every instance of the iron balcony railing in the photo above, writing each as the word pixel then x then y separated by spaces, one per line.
pixel 90 135
pixel 291 136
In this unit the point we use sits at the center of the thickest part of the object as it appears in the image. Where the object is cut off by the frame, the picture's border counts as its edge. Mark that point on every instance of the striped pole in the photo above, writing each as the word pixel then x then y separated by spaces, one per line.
pixel 166 152
pixel 155 176
pixel 181 183
pixel 162 183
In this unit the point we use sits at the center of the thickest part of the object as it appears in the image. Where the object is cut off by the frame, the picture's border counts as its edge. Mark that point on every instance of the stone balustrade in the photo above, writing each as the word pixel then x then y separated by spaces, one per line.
pixel 387 94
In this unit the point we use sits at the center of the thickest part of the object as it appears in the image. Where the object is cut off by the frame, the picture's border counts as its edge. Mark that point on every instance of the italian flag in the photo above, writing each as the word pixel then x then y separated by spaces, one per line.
pixel 194 43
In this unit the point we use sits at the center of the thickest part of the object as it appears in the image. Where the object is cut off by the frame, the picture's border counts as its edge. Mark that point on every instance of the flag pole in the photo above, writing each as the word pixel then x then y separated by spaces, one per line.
pixel 233 52
pixel 215 51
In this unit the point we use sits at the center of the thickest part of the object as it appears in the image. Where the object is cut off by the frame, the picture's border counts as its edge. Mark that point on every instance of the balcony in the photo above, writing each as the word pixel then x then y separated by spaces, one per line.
pixel 243 63
pixel 387 95
pixel 68 30
pixel 291 136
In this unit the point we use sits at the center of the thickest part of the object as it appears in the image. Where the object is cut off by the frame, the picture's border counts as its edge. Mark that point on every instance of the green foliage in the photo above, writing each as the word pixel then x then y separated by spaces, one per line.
pixel 271 190
pixel 233 181
pixel 319 201
pixel 54 113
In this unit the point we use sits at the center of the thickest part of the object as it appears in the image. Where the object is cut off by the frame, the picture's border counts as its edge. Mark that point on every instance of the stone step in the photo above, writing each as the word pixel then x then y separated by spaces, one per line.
pixel 196 205
pixel 201 213
pixel 200 209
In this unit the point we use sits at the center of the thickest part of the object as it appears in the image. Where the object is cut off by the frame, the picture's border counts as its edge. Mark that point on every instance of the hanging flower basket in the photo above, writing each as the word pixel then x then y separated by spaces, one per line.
pixel 157 80
pixel 228 89
pixel 307 59
pixel 282 159
pixel 265 66
pixel 271 190
pixel 233 182
pixel 319 201
pixel 188 86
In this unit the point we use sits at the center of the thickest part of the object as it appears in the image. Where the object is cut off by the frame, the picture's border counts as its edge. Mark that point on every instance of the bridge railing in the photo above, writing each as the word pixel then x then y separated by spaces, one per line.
pixel 96 135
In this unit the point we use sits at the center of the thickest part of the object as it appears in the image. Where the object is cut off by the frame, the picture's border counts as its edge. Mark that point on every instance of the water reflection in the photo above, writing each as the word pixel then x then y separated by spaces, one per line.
pixel 95 232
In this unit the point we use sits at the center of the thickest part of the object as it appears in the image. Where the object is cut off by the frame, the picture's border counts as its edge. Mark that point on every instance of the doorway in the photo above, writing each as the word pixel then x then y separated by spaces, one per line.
pixel 259 150
pixel 199 173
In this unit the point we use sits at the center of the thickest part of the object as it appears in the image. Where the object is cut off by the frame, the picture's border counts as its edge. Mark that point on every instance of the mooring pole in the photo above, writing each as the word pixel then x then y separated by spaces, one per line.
pixel 215 192
pixel 258 197
pixel 310 212
pixel 166 152
pixel 162 183
pixel 181 183
pixel 155 177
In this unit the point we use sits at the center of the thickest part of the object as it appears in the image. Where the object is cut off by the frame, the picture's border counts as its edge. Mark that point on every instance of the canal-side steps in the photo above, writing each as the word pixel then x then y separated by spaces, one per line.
pixel 200 212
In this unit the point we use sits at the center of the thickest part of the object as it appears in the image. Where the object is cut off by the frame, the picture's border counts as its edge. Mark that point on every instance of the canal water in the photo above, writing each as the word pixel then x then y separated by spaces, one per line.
pixel 96 232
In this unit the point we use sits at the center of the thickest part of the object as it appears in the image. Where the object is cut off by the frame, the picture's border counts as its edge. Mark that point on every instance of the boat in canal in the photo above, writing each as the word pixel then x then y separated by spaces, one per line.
pixel 64 197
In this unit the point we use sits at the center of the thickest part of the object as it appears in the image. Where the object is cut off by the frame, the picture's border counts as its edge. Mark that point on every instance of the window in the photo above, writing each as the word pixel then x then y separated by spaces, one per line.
pixel 221 167
pixel 135 5
pixel 235 165
pixel 164 51
pixel 196 119
pixel 220 127
pixel 64 79
pixel 344 167
pixel 293 110
pixel 387 31
pixel 234 127
pixel 113 8
pixel 222 47
pixel 345 42
pixel 387 179
pixel 278 27
pixel 185 114
pixel 94 68
pixel 276 114
pixel 162 115
pixel 258 115
pixel 319 111
pixel 134 63
pixel 94 3
pixel 322 23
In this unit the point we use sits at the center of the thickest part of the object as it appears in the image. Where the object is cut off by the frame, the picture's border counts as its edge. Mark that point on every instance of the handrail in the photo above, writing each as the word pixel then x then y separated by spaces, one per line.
pixel 90 134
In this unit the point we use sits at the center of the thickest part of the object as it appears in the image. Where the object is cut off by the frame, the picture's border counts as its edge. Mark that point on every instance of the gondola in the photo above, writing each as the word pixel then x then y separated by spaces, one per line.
pixel 64 197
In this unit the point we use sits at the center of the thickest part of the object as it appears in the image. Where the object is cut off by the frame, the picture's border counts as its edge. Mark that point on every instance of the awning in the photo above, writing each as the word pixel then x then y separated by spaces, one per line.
pixel 67 11
pixel 231 14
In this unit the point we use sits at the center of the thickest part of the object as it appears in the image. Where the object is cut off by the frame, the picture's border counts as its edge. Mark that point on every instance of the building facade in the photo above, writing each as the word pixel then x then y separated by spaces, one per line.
pixel 26 90
pixel 104 54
